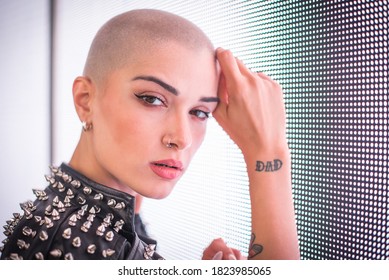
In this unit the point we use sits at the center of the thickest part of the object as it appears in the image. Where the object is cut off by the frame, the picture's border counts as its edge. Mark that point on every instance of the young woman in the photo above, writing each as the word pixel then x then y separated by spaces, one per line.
pixel 150 82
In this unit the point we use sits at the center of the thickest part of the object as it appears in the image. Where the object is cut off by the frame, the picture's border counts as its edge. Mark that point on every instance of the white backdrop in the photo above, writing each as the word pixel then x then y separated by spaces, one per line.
pixel 24 102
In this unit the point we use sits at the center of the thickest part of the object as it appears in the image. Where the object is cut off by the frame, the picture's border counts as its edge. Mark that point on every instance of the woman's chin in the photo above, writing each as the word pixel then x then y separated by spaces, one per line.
pixel 160 193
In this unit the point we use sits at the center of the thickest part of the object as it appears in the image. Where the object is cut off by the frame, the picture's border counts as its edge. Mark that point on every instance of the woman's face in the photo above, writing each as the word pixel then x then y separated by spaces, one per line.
pixel 163 96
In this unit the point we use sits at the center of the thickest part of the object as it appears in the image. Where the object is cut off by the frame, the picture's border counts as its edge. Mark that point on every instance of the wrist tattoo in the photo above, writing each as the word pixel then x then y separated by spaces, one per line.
pixel 254 249
pixel 268 166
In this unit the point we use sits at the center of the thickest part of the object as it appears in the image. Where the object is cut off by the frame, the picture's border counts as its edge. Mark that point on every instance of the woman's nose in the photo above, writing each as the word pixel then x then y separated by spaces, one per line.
pixel 180 133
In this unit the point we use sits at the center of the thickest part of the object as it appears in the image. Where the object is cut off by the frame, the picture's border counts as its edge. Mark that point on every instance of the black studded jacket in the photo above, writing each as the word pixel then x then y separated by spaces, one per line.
pixel 76 218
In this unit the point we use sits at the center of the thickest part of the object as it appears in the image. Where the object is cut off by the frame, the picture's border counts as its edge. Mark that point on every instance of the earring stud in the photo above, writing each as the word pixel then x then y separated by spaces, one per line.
pixel 86 126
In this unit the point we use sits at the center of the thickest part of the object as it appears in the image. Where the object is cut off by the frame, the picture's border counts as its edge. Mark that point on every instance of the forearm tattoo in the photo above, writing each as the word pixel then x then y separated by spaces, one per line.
pixel 268 166
pixel 254 249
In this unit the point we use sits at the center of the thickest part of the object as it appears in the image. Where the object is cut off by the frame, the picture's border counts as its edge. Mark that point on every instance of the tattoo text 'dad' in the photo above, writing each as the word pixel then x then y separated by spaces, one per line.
pixel 268 166
pixel 254 249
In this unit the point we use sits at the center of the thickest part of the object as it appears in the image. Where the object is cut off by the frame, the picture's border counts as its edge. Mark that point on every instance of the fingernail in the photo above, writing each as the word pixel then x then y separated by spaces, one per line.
pixel 231 257
pixel 218 256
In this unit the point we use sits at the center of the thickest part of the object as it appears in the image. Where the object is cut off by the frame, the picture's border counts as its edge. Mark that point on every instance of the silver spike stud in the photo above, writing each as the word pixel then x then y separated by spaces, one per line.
pixel 27 214
pixel 67 201
pixel 120 205
pixel 17 216
pixel 36 193
pixel 67 178
pixel 50 179
pixel 100 230
pixel 67 233
pixel 97 208
pixel 39 220
pixel 76 184
pixel 43 236
pixel 83 209
pixel 73 220
pixel 55 200
pixel 119 225
pixel 48 222
pixel 22 244
pixel 81 200
pixel 111 202
pixel 55 215
pixel 56 253
pixel 8 232
pixel 54 169
pixel 91 217
pixel 61 207
pixel 61 187
pixel 107 220
pixel 108 253
pixel 70 194
pixel 59 172
pixel 92 211
pixel 27 231
pixel 69 256
pixel 149 251
pixel 86 226
pixel 15 256
pixel 76 242
pixel 87 190
pixel 39 256
pixel 109 236
pixel 91 249
pixel 40 195
pixel 48 210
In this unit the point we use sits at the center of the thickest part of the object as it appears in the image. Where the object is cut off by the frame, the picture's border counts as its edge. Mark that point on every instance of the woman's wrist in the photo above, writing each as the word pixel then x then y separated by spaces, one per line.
pixel 271 157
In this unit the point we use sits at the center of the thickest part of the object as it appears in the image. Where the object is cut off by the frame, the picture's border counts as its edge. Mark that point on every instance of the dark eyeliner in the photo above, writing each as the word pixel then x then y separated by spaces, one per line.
pixel 143 97
pixel 207 114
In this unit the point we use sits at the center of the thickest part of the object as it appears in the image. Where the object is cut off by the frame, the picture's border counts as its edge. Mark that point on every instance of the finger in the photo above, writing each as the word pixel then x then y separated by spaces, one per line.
pixel 221 109
pixel 219 245
pixel 218 256
pixel 237 253
pixel 243 68
pixel 228 64
pixel 222 90
pixel 265 77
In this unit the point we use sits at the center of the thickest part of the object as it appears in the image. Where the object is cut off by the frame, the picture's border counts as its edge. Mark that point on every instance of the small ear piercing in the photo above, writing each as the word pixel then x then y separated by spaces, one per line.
pixel 86 126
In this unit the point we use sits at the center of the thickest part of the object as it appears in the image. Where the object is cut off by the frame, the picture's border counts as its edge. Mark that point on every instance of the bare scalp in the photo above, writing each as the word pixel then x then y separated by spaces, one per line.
pixel 129 34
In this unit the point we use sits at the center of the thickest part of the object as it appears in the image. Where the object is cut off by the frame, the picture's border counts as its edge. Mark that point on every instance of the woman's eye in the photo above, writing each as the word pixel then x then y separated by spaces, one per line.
pixel 200 114
pixel 150 99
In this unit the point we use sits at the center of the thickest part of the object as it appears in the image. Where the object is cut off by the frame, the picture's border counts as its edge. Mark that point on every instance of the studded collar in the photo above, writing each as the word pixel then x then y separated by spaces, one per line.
pixel 106 198
pixel 75 218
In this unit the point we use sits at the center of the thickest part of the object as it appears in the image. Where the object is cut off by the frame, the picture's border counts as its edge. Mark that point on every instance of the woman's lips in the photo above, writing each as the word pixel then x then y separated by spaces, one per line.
pixel 167 169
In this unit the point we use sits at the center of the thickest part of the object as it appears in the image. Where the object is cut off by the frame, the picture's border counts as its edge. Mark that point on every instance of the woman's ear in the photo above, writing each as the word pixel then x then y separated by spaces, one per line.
pixel 83 93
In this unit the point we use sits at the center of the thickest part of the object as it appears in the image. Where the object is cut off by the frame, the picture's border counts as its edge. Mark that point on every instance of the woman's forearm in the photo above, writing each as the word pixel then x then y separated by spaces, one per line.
pixel 274 231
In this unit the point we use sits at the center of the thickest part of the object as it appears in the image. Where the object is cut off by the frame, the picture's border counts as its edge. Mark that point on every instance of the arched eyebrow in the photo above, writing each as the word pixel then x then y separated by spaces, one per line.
pixel 210 99
pixel 158 81
pixel 170 88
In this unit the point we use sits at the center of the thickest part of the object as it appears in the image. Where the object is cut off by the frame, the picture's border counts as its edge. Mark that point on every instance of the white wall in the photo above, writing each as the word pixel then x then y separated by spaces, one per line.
pixel 24 102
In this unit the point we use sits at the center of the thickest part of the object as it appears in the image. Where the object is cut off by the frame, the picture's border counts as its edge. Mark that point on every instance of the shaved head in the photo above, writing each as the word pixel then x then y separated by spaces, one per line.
pixel 127 35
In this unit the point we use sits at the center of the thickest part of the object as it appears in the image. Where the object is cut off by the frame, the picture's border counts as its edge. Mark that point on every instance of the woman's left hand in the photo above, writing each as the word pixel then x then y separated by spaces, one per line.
pixel 251 108
pixel 218 250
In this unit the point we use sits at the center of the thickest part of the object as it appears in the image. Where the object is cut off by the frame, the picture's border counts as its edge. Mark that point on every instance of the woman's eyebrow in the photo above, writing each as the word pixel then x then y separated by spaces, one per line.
pixel 158 81
pixel 210 99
